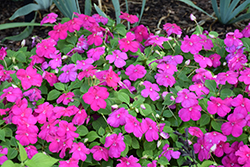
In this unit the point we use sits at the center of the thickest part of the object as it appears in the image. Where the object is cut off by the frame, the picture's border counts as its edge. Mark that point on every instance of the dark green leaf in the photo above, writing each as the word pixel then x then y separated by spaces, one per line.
pixel 59 86
pixel 211 85
pixel 82 130
pixel 2 135
pixel 204 120
pixel 41 160
pixel 135 143
pixel 22 152
pixel 54 94
pixel 226 93
pixel 123 97
pixel 92 135
pixel 145 112
pixel 216 125
pixel 12 153
pixel 76 57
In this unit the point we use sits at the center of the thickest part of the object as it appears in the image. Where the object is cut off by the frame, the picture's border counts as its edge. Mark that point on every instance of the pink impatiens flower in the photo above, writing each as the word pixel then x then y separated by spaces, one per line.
pixel 203 148
pixel 193 112
pixel 95 38
pixel 118 58
pixel 229 76
pixel 244 154
pixel 169 153
pixel 69 73
pixel 215 58
pixel 69 163
pixel 150 129
pixel 118 117
pixel 116 145
pixel 133 126
pixel 232 39
pixel 50 18
pixel 3 53
pixel 12 94
pixel 141 32
pixel 191 44
pixel 128 43
pixel 131 161
pixel 34 94
pixel 95 53
pixel 172 29
pixel 95 97
pixel 186 98
pixel 31 151
pixel 59 32
pixel 203 61
pixel 100 153
pixel 195 131
pixel 150 90
pixel 217 105
pixel 4 152
pixel 135 72
pixel 79 151
pixel 66 98
pixel 130 18
pixel 155 40
pixel 245 76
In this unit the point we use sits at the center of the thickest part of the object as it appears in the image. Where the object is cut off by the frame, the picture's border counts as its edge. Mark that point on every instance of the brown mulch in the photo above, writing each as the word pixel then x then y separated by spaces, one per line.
pixel 156 14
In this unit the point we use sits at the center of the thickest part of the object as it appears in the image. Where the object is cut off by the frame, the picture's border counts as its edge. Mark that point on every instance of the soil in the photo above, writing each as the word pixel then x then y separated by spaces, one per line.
pixel 156 14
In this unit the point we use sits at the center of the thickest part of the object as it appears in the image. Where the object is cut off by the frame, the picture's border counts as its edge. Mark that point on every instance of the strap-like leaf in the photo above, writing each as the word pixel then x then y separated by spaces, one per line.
pixel 239 9
pixel 232 6
pixel 88 7
pixel 26 32
pixel 20 24
pixel 45 4
pixel 25 10
pixel 99 11
pixel 142 9
pixel 215 8
pixel 224 6
pixel 240 18
pixel 116 5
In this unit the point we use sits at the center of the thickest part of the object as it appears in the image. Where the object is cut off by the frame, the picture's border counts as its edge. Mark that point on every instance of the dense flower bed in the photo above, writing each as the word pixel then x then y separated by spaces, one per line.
pixel 96 94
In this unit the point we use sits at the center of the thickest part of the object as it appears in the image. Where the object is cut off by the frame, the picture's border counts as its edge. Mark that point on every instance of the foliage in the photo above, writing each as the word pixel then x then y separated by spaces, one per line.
pixel 96 94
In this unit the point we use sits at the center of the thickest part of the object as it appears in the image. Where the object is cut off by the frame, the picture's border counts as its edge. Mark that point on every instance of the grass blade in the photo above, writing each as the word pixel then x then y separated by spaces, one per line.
pixel 215 8
pixel 127 12
pixel 116 5
pixel 240 18
pixel 224 5
pixel 238 10
pixel 142 9
pixel 88 7
pixel 78 8
pixel 99 11
pixel 25 10
pixel 20 24
pixel 188 2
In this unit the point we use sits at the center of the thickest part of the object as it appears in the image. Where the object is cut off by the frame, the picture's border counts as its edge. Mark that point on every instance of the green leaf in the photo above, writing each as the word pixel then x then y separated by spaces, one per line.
pixel 216 125
pixel 76 57
pixel 211 85
pixel 128 140
pixel 207 163
pixel 22 152
pixel 54 94
pixel 163 161
pixel 226 93
pixel 12 153
pixel 145 112
pixel 116 5
pixel 2 135
pixel 121 29
pixel 88 7
pixel 25 10
pixel 92 135
pixel 20 56
pixel 167 100
pixel 135 143
pixel 125 152
pixel 15 79
pixel 21 24
pixel 204 120
pixel 149 145
pixel 101 131
pixel 26 32
pixel 41 160
pixel 82 130
pixel 8 132
pixel 72 39
pixel 8 163
pixel 123 97
pixel 59 86
pixel 99 11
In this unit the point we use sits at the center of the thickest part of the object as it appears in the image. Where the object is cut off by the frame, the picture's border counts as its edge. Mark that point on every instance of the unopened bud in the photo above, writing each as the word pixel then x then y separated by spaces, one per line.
pixel 14 86
pixel 16 67
pixel 143 106
pixel 115 106
pixel 23 43
pixel 157 116
pixel 64 57
pixel 213 148
pixel 192 17
pixel 85 140
pixel 158 32
pixel 224 63
pixel 170 38
pixel 158 143
pixel 164 135
pixel 136 110
pixel 187 62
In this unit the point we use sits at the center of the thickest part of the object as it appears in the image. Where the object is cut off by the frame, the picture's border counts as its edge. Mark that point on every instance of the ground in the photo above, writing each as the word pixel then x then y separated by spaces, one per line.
pixel 156 14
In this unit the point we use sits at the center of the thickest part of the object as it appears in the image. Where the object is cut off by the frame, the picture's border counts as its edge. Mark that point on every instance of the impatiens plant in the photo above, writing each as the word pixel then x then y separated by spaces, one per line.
pixel 96 94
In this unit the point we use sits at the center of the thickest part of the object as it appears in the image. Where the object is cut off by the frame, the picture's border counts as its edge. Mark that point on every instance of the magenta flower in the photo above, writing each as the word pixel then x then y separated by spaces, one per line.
pixel 174 60
pixel 186 98
pixel 172 29
pixel 150 90
pixel 12 94
pixel 191 44
pixel 100 153
pixel 3 53
pixel 245 76
pixel 56 60
pixel 193 112
pixel 130 161
pixel 84 64
pixel 95 53
pixel 31 151
pixel 95 97
pixel 153 164
pixel 80 117
pixel 74 24
pixel 112 79
pixel 229 76
pixel 219 151
pixel 100 18
pixel 128 43
pixel 169 153
pixel 69 73
pixel 141 32
pixel 206 42
pixel 29 77
pixel 79 151
pixel 118 58
pixel 50 77
pixel 199 89
pixel 203 61
pixel 116 145
pixel 118 117
pixel 203 148
pixel 89 71
pixel 34 94
pixel 135 72
pixel 216 105
pixel 242 105
pixel 69 163
pixel 44 111
pixel 50 18
pixel 246 31
pixel 150 129
pixel 133 126
pixel 66 130
pixel 59 32
pixel 164 78
pixel 126 84
pixel 130 18
pixel 230 160
pixel 168 68
pixel 202 75
pixel 4 152
pixel 244 154
pixel 215 58
pixel 95 38
pixel 27 135
pixel 66 98
pixel 235 125
pixel 232 39
pixel 155 40
pixel 215 137
pixel 195 131
pixel 237 62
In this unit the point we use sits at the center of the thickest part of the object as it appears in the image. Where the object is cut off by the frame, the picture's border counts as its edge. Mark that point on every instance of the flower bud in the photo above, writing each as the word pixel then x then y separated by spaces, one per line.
pixel 192 17
pixel 224 63
pixel 136 110
pixel 187 62
pixel 23 43
pixel 158 143
pixel 85 140
pixel 164 135
pixel 213 148
pixel 14 86
pixel 157 116
pixel 115 106
pixel 16 67
pixel 143 106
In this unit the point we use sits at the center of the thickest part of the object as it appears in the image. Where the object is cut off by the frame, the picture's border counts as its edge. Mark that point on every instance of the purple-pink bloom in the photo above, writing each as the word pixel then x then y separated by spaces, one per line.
pixel 202 147
pixel 34 94
pixel 172 29
pixel 50 18
pixel 246 31
pixel 154 40
pixel 230 160
pixel 118 58
pixel 69 163
pixel 131 161
pixel 203 61
pixel 141 32
pixel 164 78
pixel 3 158
pixel 150 90
pixel 127 85
pixel 192 112
pixel 66 98
pixel 215 58
pixel 79 151
pixel 135 72
pixel 128 43
pixel 59 32
pixel 195 131
pixel 12 94
pixel 69 73
pixel 130 18
pixel 242 105
pixel 153 164
pixel 232 39
pixel 118 117
pixel 95 38
pixel 244 154
pixel 170 153
pixel 150 129
pixel 206 42
pixel 31 151
pixel 191 44
pixel 173 59
pixel 133 126
pixel 100 153
pixel 100 18
pixel 199 89
pixel 217 105
pixel 95 53
pixel 186 98
pixel 229 76
pixel 3 53
pixel 116 145
pixel 79 117
pixel 245 76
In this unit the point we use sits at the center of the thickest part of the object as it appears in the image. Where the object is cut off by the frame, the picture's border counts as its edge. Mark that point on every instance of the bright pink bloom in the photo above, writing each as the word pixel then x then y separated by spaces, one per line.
pixel 206 42
pixel 133 126
pixel 95 53
pixel 50 77
pixel 244 154
pixel 245 76
pixel 186 98
pixel 62 111
pixel 191 44
pixel 3 53
pixel 230 160
pixel 29 77
pixel 168 68
pixel 246 31
pixel 203 148
pixel 84 64
pixel 135 72
pixel 215 137
pixel 50 18
pixel 66 98
pixel 229 76
pixel 130 18
pixel 116 145
pixel 150 90
pixel 118 58
pixel 203 61
pixel 12 94
pixel 173 59
pixel 3 111
pixel 26 135
pixel 56 60
pixel 31 151
pixel 89 71
pixel 69 163
pixel 169 153
pixel 59 32
pixel 220 149
pixel 153 164
pixel 199 89
pixel 36 60
pixel 79 117
pixel 242 105
pixel 164 78
pixel 127 85
pixel 141 32
pixel 215 58
pixel 79 151
pixel 195 131
pixel 100 153
pixel 193 112
pixel 232 39
pixel 69 73
pixel 67 130
pixel 128 43
pixel 237 62
pixel 95 97
pixel 112 79
pixel 118 117
pixel 202 75
pixel 48 131
pixel 45 111
pixel 74 24
pixel 100 18
pixel 216 105
pixel 131 161
pixel 150 129
pixel 95 38
pixel 172 29
pixel 235 125
pixel 3 158
pixel 155 40
pixel 34 94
